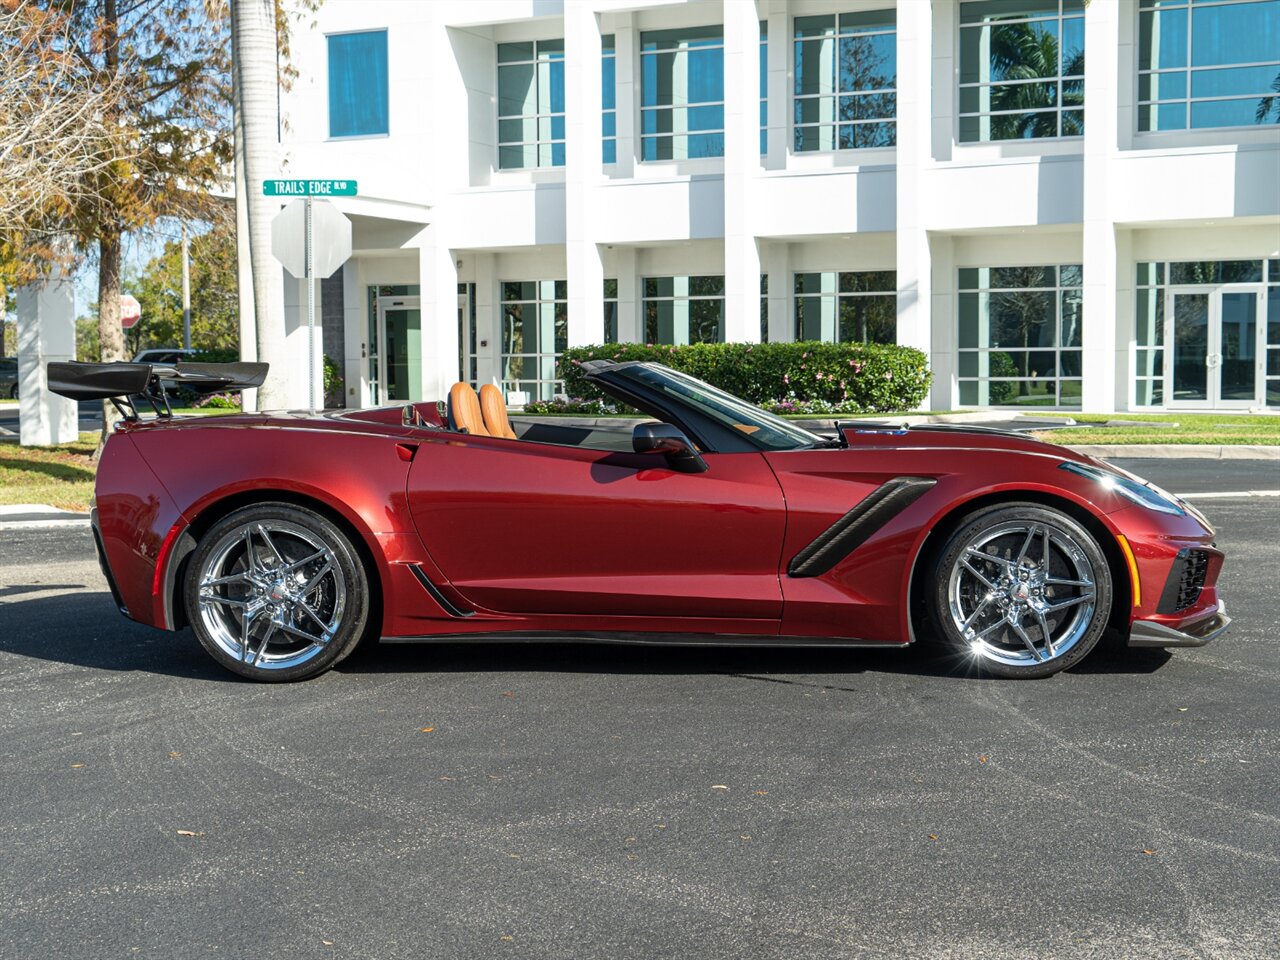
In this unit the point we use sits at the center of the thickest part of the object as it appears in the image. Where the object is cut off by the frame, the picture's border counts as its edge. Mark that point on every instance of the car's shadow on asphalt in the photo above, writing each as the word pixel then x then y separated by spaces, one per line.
pixel 85 629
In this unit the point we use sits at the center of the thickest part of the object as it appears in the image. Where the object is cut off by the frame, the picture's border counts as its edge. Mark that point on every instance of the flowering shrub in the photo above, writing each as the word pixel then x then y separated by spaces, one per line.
pixel 587 408
pixel 810 377
pixel 218 401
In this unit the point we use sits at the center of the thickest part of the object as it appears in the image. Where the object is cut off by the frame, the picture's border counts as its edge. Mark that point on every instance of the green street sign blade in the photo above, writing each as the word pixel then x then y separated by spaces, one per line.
pixel 309 188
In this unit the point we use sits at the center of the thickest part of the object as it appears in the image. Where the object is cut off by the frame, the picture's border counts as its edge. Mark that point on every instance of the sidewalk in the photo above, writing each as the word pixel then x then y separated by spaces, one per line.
pixel 35 516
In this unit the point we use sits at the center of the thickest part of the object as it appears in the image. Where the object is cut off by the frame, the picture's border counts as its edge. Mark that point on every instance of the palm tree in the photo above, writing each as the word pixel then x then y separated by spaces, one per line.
pixel 253 48
pixel 1019 52
pixel 1268 102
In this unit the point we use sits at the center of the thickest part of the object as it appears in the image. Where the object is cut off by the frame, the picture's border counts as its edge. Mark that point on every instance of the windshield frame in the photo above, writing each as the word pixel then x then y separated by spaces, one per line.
pixel 665 387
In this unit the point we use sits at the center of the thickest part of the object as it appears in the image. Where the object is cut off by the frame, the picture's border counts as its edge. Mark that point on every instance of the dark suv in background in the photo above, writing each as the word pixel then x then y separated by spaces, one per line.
pixel 9 377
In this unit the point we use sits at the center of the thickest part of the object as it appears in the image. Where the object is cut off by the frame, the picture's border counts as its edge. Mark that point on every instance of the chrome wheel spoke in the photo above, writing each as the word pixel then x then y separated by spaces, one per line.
pixel 315 579
pixel 299 564
pixel 271 545
pixel 271 628
pixel 326 627
pixel 1044 557
pixel 241 577
pixel 968 623
pixel 1069 602
pixel 229 601
pixel 1055 582
pixel 975 552
pixel 298 632
pixel 977 573
pixel 1026 544
pixel 1026 639
pixel 1044 631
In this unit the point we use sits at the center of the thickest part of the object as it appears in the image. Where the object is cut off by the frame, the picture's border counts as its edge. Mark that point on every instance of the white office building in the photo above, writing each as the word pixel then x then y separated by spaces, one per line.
pixel 1067 205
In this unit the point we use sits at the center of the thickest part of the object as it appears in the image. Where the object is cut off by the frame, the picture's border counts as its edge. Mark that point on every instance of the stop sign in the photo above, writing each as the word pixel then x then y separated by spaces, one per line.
pixel 130 310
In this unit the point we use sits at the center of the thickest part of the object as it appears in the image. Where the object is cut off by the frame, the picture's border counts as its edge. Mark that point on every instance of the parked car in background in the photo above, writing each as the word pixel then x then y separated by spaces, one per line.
pixel 163 355
pixel 9 377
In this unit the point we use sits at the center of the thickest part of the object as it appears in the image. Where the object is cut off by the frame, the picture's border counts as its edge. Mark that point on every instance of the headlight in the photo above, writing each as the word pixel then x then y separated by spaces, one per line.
pixel 1143 494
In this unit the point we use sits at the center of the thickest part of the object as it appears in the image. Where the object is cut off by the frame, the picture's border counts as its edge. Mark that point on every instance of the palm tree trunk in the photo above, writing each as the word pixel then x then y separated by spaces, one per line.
pixel 253 47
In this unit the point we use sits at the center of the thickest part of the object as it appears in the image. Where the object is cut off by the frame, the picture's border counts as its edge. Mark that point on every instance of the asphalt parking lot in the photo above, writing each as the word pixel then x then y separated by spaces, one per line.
pixel 574 801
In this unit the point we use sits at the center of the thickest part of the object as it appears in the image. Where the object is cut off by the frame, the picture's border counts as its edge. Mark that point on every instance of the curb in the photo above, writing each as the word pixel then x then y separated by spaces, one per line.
pixel 1178 451
pixel 36 516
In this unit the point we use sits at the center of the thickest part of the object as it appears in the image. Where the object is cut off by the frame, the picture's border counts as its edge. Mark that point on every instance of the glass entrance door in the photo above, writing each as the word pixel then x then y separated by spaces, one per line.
pixel 399 349
pixel 1213 335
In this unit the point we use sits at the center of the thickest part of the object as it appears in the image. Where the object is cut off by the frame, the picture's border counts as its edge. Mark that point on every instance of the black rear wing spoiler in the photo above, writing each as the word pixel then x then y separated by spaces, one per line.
pixel 124 383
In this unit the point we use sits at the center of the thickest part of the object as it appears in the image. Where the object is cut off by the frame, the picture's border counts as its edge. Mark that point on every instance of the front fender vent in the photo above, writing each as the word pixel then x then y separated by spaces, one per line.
pixel 858 525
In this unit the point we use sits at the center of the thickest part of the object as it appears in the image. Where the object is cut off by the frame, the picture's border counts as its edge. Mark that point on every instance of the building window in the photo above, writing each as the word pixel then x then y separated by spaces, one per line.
pixel 1198 333
pixel 609 98
pixel 684 310
pixel 1208 64
pixel 846 69
pixel 1020 333
pixel 1021 69
pixel 682 93
pixel 531 104
pixel 764 308
pixel 847 307
pixel 764 87
pixel 1271 397
pixel 610 311
pixel 467 354
pixel 358 84
pixel 535 331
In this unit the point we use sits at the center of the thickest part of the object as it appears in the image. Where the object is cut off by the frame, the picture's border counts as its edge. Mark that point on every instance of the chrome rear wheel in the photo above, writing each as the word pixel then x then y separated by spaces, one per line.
pixel 275 592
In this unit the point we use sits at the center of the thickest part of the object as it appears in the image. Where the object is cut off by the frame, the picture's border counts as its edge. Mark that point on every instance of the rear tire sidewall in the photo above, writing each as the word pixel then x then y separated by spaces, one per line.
pixel 939 600
pixel 355 616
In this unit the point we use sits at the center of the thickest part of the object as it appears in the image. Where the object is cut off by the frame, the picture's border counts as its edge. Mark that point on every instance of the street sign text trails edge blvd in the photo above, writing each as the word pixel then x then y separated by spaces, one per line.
pixel 309 188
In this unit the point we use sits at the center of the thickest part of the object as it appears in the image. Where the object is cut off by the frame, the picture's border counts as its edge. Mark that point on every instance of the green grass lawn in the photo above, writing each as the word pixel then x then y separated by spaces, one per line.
pixel 59 476
pixel 1212 428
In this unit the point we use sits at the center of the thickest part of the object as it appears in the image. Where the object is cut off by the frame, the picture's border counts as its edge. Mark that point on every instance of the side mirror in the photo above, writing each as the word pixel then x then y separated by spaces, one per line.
pixel 670 442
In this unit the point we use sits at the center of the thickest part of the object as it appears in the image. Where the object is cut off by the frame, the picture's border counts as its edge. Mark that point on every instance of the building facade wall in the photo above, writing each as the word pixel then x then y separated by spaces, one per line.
pixel 439 212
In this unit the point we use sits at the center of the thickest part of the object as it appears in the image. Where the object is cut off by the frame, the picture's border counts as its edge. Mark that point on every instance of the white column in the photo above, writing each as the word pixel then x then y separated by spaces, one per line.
pixel 779 90
pixel 583 172
pixel 626 43
pixel 1101 37
pixel 741 167
pixel 630 320
pixel 46 332
pixel 1125 327
pixel 296 353
pixel 438 282
pixel 943 289
pixel 781 315
pixel 915 66
pixel 356 336
pixel 488 345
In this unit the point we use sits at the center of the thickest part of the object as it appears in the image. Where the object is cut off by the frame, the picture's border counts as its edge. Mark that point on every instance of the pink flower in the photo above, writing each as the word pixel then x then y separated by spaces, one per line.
pixel 786 378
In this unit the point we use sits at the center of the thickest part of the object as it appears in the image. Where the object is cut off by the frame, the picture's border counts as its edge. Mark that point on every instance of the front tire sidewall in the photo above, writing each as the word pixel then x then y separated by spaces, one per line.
pixel 356 613
pixel 939 600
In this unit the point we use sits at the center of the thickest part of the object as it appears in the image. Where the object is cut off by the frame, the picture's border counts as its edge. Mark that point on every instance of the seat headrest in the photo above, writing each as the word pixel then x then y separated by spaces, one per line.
pixel 494 409
pixel 464 410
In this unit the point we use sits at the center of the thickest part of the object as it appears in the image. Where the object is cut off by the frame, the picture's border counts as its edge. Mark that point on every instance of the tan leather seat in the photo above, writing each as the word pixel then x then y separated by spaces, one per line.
pixel 494 409
pixel 464 410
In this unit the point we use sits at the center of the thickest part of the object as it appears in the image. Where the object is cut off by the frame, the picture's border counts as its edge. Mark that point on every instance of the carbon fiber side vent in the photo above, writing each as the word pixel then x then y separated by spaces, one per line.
pixel 856 527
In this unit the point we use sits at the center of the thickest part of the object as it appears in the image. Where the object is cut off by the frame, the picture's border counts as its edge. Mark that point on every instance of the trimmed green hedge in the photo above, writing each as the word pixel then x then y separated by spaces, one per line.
pixel 807 377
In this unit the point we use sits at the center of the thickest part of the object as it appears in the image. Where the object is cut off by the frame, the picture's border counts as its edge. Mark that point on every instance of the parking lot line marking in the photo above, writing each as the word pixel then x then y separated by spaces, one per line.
pixel 1227 494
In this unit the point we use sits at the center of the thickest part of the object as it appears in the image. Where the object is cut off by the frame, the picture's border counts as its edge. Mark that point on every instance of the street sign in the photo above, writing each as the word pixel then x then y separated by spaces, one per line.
pixel 309 188
pixel 329 240
pixel 130 310
pixel 312 239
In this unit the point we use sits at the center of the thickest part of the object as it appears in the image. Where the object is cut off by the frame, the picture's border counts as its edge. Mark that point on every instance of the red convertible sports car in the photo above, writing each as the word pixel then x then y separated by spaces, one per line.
pixel 284 539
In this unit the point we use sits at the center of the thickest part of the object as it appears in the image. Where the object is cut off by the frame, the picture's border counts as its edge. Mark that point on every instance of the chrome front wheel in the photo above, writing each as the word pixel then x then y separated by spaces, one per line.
pixel 276 593
pixel 1024 590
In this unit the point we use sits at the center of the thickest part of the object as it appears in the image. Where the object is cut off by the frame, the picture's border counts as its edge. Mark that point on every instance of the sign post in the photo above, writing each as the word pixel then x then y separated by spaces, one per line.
pixel 311 239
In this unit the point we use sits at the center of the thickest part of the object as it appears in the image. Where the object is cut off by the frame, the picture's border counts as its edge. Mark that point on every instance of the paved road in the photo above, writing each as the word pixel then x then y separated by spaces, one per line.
pixel 566 800
pixel 90 417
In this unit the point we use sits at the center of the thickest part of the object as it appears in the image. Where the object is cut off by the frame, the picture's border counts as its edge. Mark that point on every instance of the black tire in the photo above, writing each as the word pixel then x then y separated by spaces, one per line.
pixel 993 597
pixel 296 574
